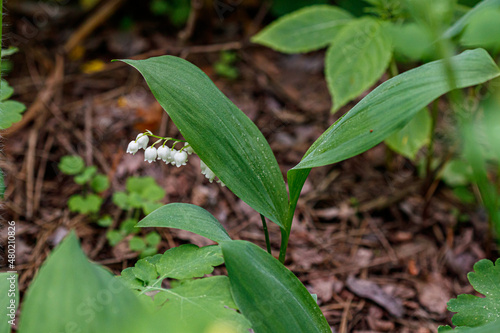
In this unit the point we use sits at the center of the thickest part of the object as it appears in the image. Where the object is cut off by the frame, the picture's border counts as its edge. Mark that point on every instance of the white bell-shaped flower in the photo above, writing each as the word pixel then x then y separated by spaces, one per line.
pixel 209 174
pixel 142 140
pixel 189 149
pixel 203 167
pixel 221 183
pixel 164 153
pixel 133 147
pixel 150 154
pixel 180 158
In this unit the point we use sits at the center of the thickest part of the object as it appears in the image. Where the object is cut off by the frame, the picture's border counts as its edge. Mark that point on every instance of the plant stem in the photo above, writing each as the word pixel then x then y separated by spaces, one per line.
pixel 285 234
pixel 266 233
pixel 430 147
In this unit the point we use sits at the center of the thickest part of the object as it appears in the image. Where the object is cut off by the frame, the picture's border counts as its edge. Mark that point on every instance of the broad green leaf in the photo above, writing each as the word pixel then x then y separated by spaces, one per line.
pixel 10 113
pixel 203 305
pixel 356 59
pixel 392 105
pixel 69 293
pixel 460 24
pixel 268 294
pixel 9 301
pixel 71 164
pixel 304 30
pixel 188 260
pixel 413 136
pixel 387 109
pixel 483 30
pixel 100 183
pixel 90 203
pixel 186 217
pixel 223 137
pixel 475 311
pixel 411 41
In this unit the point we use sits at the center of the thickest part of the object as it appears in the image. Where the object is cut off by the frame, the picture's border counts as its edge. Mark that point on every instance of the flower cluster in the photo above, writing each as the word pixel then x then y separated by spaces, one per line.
pixel 167 154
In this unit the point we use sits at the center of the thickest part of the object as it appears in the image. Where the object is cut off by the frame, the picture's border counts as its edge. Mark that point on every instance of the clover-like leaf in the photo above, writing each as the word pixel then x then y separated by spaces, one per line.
pixel 86 175
pixel 10 111
pixel 473 311
pixel 188 261
pixel 71 164
pixel 203 302
pixel 100 183
pixel 85 204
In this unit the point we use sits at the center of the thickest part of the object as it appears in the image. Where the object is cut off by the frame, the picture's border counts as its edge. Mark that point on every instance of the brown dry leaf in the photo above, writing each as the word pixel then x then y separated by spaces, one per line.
pixel 371 291
pixel 306 257
pixel 324 287
pixel 434 293
pixel 376 323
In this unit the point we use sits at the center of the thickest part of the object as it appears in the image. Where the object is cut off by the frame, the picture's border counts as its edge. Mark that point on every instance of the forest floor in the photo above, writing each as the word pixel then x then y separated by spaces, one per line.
pixel 383 249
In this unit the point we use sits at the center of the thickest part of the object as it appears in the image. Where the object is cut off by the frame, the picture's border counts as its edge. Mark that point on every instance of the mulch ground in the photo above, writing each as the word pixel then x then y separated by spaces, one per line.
pixel 383 249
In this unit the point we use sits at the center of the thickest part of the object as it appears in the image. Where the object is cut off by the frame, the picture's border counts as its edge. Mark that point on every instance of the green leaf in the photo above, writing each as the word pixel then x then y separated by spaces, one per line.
pixel 224 137
pixel 148 207
pixel 483 30
pixel 121 199
pixel 5 90
pixel 10 112
pixel 69 293
pixel 8 52
pixel 475 311
pixel 153 238
pixel 413 136
pixel 268 294
pixel 411 41
pixel 129 226
pixel 86 175
pixel 136 243
pixel 91 203
pixel 457 172
pixel 114 237
pixel 148 251
pixel 9 301
pixel 356 59
pixel 305 30
pixel 488 328
pixel 2 185
pixel 100 183
pixel 71 164
pixel 105 221
pixel 188 260
pixel 460 24
pixel 186 217
pixel 213 310
pixel 389 108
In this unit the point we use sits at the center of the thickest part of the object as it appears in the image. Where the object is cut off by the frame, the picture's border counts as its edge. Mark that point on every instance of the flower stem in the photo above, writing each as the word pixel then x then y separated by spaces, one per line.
pixel 266 233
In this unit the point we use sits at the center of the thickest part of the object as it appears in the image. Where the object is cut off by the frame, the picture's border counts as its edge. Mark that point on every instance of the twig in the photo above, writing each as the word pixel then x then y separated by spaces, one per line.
pixel 100 16
pixel 185 34
pixel 43 97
